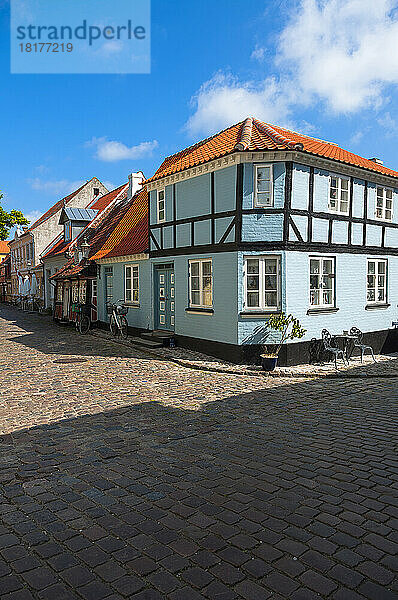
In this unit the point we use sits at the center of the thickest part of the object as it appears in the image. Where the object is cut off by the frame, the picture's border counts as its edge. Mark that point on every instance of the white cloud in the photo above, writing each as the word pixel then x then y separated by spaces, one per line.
pixel 258 53
pixel 112 151
pixel 223 100
pixel 60 187
pixel 339 53
pixel 342 51
pixel 389 124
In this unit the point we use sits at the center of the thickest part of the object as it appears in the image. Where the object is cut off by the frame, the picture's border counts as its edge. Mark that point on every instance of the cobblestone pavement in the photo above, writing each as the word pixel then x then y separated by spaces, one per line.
pixel 129 477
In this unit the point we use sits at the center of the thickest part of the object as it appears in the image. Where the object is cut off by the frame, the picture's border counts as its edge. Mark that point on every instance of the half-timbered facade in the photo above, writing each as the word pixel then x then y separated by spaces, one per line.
pixel 259 219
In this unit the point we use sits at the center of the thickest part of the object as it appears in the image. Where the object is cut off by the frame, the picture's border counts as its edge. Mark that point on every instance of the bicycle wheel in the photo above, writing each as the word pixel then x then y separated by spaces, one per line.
pixel 113 326
pixel 84 324
pixel 123 327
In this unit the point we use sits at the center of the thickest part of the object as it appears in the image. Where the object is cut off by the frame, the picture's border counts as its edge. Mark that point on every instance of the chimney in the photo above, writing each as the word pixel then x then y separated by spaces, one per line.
pixel 135 182
pixel 378 161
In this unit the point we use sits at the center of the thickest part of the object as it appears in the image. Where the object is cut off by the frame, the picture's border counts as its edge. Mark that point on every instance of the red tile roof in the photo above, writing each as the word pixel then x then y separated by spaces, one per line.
pixel 253 135
pixel 123 230
pixel 4 247
pixel 59 246
pixel 130 235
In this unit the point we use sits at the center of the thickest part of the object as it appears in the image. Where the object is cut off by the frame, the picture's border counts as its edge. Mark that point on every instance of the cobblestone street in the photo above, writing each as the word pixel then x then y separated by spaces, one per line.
pixel 125 476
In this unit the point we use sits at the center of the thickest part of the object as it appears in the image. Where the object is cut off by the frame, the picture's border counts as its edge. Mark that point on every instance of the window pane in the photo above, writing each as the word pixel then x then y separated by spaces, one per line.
pixel 380 295
pixel 135 295
pixel 271 299
pixel 371 267
pixel 264 199
pixel 379 202
pixel 253 299
pixel 344 185
pixel 252 265
pixel 194 268
pixel 314 266
pixel 328 266
pixel 327 297
pixel 382 267
pixel 195 285
pixel 314 282
pixel 270 282
pixel 270 265
pixel 314 297
pixel 128 295
pixel 263 186
pixel 263 173
pixel 371 295
pixel 388 215
pixel 253 282
pixel 161 195
pixel 206 268
pixel 389 194
pixel 333 182
pixel 195 298
pixel 327 283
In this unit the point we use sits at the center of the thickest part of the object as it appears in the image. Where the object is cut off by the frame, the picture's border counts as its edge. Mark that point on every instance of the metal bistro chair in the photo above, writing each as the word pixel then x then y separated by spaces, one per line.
pixel 358 343
pixel 337 352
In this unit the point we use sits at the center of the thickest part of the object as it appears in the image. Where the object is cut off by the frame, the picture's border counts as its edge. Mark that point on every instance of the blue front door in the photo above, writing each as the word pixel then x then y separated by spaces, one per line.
pixel 164 299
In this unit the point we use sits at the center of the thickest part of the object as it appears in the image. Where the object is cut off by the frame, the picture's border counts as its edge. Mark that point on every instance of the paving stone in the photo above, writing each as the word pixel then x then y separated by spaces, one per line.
pixel 318 583
pixel 191 482
pixel 40 578
pixel 77 576
pixel 252 591
pixel 197 577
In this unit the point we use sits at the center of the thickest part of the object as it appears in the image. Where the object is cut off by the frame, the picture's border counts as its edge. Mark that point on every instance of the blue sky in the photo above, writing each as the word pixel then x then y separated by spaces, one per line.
pixel 329 69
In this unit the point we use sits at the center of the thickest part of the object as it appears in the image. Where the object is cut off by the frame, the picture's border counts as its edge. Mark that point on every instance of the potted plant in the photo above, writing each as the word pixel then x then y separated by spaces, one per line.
pixel 289 328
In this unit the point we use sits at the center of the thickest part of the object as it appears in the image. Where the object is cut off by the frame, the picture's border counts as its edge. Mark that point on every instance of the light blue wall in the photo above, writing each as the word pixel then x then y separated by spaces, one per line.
pixel 350 295
pixel 220 326
pixel 300 186
pixel 263 227
pixel 225 189
pixel 140 317
pixel 193 197
pixel 252 329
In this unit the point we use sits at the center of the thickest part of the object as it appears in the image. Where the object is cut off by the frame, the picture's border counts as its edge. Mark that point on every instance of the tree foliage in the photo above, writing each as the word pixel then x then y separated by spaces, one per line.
pixel 8 220
pixel 288 326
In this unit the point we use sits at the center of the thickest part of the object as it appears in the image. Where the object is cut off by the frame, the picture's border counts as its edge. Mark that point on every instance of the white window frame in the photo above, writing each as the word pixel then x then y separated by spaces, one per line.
pixel 321 260
pixel 134 279
pixel 338 210
pixel 200 262
pixel 377 287
pixel 384 208
pixel 263 307
pixel 257 203
pixel 158 210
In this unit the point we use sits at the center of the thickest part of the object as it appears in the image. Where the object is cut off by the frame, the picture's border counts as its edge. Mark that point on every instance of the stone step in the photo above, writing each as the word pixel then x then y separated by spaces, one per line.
pixel 162 336
pixel 145 343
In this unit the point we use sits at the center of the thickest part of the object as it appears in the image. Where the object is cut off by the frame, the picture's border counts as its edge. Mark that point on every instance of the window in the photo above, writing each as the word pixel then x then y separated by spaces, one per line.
pixel 68 231
pixel 322 282
pixel 59 292
pixel 339 194
pixel 377 281
pixel 75 292
pixel 200 283
pixel 83 292
pixel 262 283
pixel 94 288
pixel 161 206
pixel 383 204
pixel 131 284
pixel 263 186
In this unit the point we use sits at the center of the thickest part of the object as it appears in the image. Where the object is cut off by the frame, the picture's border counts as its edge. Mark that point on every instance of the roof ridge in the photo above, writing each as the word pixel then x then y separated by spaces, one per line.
pixel 276 137
pixel 246 135
pixel 201 142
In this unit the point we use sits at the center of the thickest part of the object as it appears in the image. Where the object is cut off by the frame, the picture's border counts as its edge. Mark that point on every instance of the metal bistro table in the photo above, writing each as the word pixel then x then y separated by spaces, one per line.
pixel 348 347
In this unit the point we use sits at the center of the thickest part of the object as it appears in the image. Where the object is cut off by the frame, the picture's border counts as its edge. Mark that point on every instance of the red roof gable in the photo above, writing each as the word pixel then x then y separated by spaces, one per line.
pixel 4 247
pixel 253 135
pixel 130 236
pixel 100 204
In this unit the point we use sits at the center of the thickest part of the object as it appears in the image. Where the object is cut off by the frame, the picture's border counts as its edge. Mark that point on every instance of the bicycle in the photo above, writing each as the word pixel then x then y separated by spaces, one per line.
pixel 118 323
pixel 83 321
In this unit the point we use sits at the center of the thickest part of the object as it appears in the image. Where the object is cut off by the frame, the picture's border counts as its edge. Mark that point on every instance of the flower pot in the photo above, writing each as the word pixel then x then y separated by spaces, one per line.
pixel 268 362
